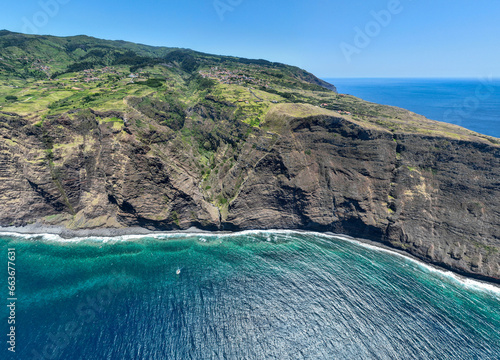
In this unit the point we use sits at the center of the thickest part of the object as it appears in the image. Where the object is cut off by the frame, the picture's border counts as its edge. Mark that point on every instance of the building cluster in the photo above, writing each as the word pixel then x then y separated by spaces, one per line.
pixel 91 75
pixel 225 76
pixel 38 64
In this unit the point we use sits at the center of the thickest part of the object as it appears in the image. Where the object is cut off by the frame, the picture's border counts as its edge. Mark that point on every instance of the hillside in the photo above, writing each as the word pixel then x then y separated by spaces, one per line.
pixel 97 133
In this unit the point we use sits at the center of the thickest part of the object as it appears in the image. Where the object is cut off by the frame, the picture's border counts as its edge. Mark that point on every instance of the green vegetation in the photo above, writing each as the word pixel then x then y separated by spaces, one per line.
pixel 213 103
pixel 175 217
pixel 489 249
pixel 153 83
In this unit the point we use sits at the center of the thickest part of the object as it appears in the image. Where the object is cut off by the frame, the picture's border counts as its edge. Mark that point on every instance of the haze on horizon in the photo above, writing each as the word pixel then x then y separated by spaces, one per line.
pixel 379 38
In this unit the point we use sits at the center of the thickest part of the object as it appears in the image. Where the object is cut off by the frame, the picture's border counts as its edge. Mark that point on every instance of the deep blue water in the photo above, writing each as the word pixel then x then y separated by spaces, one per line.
pixel 253 295
pixel 473 104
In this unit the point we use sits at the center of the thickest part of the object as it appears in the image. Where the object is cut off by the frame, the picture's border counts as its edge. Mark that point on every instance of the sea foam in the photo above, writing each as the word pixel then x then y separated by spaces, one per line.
pixel 455 278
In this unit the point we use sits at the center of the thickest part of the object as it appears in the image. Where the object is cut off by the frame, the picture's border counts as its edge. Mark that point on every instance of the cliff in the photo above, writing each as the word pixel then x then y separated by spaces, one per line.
pixel 185 152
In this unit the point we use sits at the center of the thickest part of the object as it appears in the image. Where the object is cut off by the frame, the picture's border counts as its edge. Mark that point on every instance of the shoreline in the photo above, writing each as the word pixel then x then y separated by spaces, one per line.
pixel 64 233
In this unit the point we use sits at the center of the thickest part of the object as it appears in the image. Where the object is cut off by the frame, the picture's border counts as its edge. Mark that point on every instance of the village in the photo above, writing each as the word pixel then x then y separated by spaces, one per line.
pixel 225 76
pixel 90 75
pixel 219 74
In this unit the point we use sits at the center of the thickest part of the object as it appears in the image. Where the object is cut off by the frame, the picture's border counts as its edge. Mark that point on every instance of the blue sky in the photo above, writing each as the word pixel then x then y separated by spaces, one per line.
pixel 331 38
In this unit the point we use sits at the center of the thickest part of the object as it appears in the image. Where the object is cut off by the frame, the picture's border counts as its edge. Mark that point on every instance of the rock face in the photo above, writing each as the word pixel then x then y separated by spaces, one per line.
pixel 436 197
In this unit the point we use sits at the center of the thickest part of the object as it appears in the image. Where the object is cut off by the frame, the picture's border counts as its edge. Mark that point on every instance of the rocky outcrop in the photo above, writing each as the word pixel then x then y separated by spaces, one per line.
pixel 436 197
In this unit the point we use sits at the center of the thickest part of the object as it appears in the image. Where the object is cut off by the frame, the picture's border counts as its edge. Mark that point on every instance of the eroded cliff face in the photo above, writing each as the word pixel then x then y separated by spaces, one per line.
pixel 98 175
pixel 435 197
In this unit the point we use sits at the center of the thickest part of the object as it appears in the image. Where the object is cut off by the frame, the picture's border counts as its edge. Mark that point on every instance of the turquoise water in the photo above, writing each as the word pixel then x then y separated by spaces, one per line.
pixel 471 103
pixel 252 295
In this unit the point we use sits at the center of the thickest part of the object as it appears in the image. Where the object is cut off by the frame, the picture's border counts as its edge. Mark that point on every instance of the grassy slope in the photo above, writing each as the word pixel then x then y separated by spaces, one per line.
pixel 44 76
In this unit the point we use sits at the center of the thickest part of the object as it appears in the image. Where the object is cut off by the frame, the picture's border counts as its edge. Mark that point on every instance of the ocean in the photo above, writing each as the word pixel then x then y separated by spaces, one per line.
pixel 250 295
pixel 471 103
